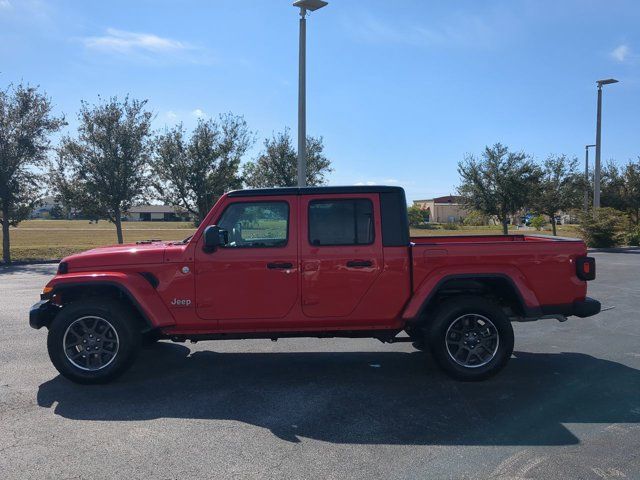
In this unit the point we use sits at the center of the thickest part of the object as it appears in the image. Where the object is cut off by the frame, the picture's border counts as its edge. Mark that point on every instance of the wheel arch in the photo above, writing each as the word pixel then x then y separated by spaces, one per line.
pixel 499 286
pixel 73 292
pixel 133 290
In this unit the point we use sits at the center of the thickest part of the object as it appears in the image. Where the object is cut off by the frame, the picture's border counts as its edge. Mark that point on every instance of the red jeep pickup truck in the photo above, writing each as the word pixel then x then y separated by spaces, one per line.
pixel 311 262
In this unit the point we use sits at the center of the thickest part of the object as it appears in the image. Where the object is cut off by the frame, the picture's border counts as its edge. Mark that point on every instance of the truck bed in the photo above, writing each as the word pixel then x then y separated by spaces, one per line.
pixel 541 267
pixel 448 239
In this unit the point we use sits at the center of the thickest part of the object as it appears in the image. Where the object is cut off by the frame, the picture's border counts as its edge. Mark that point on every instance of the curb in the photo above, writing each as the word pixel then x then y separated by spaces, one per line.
pixel 21 263
pixel 615 250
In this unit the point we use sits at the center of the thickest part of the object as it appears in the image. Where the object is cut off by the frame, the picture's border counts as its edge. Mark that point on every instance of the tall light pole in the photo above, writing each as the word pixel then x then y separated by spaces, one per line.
pixel 597 173
pixel 311 6
pixel 586 177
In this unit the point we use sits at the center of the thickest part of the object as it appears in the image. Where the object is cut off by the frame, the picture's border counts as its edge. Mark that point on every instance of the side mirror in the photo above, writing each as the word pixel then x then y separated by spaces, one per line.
pixel 214 237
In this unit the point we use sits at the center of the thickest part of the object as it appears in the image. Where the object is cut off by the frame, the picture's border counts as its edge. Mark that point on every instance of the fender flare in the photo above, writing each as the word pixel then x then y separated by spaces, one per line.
pixel 133 286
pixel 430 286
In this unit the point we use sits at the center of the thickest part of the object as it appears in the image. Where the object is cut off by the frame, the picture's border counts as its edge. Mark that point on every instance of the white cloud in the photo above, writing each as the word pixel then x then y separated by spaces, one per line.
pixel 5 4
pixel 198 113
pixel 145 46
pixel 171 115
pixel 125 42
pixel 621 53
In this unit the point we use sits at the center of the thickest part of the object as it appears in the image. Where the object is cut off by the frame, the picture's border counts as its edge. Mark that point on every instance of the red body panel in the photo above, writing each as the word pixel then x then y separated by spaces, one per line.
pixel 542 269
pixel 235 288
pixel 232 290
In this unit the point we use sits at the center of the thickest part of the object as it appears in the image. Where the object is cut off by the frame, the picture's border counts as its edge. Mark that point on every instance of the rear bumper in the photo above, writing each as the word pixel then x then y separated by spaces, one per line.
pixel 41 314
pixel 583 308
pixel 586 308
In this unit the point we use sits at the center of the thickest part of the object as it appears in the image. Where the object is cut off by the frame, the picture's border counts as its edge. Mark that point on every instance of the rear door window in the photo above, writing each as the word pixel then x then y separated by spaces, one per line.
pixel 341 222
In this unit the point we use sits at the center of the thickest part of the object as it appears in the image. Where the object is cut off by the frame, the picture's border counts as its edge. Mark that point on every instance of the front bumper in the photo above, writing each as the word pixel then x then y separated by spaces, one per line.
pixel 41 314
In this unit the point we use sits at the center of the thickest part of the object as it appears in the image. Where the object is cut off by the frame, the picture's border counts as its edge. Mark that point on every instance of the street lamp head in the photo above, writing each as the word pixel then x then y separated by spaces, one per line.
pixel 311 5
pixel 606 81
pixel 589 146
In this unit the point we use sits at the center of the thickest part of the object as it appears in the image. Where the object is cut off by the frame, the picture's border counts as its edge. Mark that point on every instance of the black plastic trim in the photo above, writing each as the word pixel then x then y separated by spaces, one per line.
pixel 395 222
pixel 583 308
pixel 41 314
pixel 382 335
pixel 151 278
pixel 119 287
pixel 481 276
pixel 256 192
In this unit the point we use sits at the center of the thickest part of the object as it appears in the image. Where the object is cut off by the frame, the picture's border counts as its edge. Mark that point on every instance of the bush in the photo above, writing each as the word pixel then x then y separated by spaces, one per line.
pixel 476 219
pixel 450 226
pixel 538 222
pixel 607 228
pixel 633 237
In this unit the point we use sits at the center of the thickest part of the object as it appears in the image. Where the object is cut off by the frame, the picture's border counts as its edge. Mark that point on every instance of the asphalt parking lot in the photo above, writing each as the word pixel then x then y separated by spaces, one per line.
pixel 567 405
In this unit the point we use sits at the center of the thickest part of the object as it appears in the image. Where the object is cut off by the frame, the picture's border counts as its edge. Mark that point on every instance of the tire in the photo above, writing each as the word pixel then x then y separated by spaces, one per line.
pixel 470 338
pixel 149 339
pixel 105 326
pixel 420 345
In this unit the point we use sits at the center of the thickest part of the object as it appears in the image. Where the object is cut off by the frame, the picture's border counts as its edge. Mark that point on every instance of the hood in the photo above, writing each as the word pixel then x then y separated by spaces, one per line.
pixel 126 254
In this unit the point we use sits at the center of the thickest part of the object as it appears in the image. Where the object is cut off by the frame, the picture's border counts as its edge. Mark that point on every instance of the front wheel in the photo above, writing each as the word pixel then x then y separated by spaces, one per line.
pixel 470 338
pixel 93 340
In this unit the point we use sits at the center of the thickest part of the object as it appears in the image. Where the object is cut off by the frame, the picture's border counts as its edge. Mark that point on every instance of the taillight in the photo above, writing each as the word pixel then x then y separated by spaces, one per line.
pixel 586 268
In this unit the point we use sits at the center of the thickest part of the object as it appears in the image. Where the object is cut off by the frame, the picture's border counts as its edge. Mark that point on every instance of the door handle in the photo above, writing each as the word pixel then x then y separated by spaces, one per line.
pixel 359 263
pixel 279 266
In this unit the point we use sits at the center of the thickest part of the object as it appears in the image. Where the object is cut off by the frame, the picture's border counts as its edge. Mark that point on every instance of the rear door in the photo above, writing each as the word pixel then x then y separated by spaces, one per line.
pixel 255 276
pixel 340 252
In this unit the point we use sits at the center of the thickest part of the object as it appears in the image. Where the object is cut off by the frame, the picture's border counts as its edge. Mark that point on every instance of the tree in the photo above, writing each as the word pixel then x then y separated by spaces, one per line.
pixel 476 219
pixel 104 170
pixel 632 190
pixel 26 122
pixel 612 187
pixel 194 173
pixel 501 183
pixel 417 216
pixel 621 189
pixel 561 188
pixel 277 165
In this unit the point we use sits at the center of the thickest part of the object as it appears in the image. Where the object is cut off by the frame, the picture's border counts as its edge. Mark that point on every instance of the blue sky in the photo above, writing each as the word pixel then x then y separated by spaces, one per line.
pixel 400 90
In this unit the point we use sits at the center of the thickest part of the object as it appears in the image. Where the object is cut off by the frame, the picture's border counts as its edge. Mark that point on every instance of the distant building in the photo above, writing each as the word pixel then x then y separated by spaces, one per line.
pixel 44 207
pixel 156 213
pixel 448 209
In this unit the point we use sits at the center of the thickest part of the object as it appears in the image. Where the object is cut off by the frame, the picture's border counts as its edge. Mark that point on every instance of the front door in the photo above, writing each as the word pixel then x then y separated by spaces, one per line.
pixel 340 251
pixel 255 276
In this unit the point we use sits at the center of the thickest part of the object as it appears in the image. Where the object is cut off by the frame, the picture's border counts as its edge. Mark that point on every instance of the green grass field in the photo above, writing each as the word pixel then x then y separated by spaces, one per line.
pixel 35 240
pixel 53 239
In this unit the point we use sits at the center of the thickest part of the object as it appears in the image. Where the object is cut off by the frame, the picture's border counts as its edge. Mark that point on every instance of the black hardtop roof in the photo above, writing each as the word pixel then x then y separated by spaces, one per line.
pixel 255 192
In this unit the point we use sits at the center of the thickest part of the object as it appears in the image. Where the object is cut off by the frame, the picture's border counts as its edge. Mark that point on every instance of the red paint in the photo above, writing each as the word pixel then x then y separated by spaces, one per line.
pixel 231 290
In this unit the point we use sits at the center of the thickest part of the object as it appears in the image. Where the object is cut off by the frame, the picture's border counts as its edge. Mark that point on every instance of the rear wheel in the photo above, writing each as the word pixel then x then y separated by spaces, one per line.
pixel 470 338
pixel 93 340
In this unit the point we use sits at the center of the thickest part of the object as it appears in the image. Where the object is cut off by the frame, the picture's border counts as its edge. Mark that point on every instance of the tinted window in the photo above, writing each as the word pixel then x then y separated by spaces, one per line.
pixel 341 222
pixel 258 224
